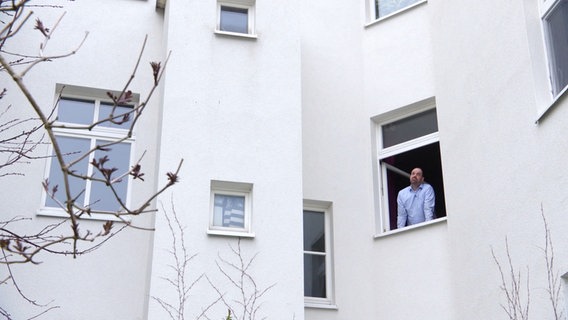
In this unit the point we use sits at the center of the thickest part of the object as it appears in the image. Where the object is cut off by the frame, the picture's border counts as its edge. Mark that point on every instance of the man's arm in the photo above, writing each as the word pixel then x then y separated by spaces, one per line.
pixel 429 203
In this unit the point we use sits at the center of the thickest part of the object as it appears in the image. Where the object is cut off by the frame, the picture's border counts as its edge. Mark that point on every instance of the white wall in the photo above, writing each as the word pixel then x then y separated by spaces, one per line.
pixel 351 74
pixel 232 112
pixel 335 146
pixel 111 282
pixel 499 166
pixel 410 268
pixel 290 112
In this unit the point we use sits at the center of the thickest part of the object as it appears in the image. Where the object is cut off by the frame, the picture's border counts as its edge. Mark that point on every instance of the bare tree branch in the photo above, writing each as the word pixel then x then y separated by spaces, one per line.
pixel 517 308
pixel 70 205
pixel 237 273
pixel 511 286
pixel 552 276
pixel 180 268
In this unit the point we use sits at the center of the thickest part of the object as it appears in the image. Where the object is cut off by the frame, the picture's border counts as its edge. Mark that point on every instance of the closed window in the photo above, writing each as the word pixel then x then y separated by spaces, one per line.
pixel 555 20
pixel 231 208
pixel 236 17
pixel 76 145
pixel 317 254
pixel 408 139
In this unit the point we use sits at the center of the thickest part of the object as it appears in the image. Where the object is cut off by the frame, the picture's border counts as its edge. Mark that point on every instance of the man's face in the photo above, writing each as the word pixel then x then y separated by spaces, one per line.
pixel 416 177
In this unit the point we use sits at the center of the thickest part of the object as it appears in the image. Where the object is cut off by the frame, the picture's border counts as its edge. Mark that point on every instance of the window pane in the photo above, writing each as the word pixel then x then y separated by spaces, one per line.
pixel 72 148
pixel 106 109
pixel 76 111
pixel 101 197
pixel 386 7
pixel 395 183
pixel 234 19
pixel 314 276
pixel 314 231
pixel 229 211
pixel 409 128
pixel 557 26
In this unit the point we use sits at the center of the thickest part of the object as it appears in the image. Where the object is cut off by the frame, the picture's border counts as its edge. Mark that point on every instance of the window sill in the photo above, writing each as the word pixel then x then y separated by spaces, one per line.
pixel 411 228
pixel 59 213
pixel 230 233
pixel 554 102
pixel 319 305
pixel 315 305
pixel 396 13
pixel 236 34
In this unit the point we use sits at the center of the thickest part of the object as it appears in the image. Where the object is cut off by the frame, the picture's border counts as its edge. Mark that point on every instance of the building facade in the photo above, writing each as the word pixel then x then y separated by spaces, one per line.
pixel 297 125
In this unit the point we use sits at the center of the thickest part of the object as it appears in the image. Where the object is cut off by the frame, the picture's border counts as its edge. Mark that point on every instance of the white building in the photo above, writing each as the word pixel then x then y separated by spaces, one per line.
pixel 320 106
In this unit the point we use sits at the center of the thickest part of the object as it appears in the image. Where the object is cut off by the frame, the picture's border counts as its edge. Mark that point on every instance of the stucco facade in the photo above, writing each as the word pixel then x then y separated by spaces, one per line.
pixel 292 114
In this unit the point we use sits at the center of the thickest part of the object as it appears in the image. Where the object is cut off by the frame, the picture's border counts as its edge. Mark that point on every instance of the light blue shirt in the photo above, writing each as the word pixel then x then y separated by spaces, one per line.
pixel 415 206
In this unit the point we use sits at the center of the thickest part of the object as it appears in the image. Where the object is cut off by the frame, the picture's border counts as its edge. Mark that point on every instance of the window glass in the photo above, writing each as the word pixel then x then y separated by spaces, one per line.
pixel 76 144
pixel 315 254
pixel 386 7
pixel 556 24
pixel 104 112
pixel 314 231
pixel 71 148
pixel 76 111
pixel 234 19
pixel 409 128
pixel 314 276
pixel 102 197
pixel 229 211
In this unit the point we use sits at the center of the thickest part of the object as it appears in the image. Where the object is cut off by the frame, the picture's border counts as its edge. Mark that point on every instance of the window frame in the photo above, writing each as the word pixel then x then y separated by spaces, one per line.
pixel 546 9
pixel 373 16
pixel 325 208
pixel 249 6
pixel 107 133
pixel 564 287
pixel 229 188
pixel 382 208
pixel 546 5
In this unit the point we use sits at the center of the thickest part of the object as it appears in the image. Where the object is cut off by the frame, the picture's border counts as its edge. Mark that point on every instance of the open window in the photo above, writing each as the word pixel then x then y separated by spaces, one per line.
pixel 407 139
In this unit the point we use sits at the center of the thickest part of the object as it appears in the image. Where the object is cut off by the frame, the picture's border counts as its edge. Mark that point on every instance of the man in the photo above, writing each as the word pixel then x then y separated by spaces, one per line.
pixel 415 202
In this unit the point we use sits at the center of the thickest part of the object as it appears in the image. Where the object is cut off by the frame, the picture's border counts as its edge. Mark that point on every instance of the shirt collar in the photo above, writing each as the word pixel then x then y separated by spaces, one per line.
pixel 417 189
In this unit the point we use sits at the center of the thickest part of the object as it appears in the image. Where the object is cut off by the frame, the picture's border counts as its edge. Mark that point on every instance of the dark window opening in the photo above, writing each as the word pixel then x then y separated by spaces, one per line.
pixel 426 157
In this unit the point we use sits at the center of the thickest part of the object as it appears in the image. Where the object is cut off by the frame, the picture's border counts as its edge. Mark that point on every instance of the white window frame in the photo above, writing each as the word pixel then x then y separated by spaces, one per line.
pixel 242 4
pixel 326 209
pixel 546 7
pixel 373 17
pixel 564 285
pixel 382 216
pixel 98 96
pixel 229 188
